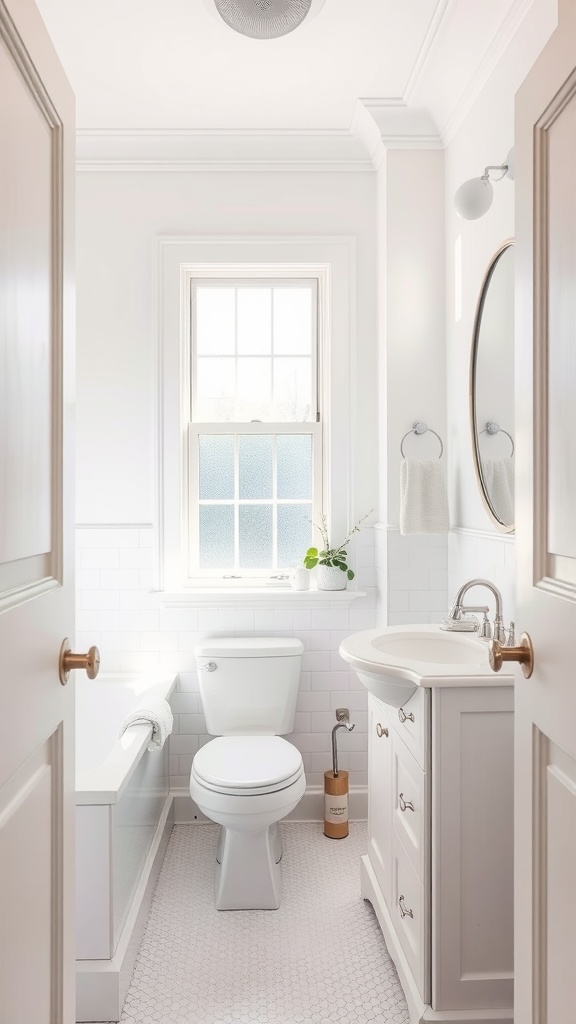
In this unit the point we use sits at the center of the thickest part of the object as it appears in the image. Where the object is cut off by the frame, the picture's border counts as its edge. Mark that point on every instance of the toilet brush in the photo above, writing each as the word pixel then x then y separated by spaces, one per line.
pixel 336 786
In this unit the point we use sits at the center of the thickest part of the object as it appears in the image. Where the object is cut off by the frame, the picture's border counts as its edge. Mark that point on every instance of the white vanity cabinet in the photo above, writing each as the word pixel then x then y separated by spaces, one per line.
pixel 440 848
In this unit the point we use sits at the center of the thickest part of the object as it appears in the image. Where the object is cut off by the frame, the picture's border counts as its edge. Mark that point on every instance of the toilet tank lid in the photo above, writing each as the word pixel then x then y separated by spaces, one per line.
pixel 249 647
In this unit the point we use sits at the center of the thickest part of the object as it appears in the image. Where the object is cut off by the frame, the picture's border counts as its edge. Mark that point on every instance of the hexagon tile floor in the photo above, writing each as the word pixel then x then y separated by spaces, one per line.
pixel 319 958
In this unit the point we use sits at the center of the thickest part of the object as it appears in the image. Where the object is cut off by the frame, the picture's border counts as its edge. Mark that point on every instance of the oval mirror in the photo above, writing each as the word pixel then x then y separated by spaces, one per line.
pixel 492 388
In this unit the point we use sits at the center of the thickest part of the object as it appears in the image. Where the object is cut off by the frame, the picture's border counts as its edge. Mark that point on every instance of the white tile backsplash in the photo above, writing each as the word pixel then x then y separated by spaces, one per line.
pixel 117 609
pixel 492 556
pixel 417 577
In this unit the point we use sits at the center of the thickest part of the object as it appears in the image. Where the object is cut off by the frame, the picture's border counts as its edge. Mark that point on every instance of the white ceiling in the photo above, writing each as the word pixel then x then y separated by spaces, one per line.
pixel 170 65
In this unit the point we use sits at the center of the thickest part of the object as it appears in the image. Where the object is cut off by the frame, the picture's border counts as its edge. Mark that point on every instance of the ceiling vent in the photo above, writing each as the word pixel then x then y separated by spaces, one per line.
pixel 264 19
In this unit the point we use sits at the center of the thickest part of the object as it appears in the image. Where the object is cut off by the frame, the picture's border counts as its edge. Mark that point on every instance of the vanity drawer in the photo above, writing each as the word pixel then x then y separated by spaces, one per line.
pixel 410 805
pixel 409 913
pixel 380 710
pixel 411 723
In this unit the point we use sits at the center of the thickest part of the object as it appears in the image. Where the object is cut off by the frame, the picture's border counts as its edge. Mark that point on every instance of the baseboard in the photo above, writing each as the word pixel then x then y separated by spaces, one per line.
pixel 102 985
pixel 310 808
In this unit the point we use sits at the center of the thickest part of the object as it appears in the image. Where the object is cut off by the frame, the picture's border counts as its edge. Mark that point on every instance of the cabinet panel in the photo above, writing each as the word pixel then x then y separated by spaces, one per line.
pixel 410 915
pixel 410 805
pixel 411 723
pixel 472 848
pixel 380 794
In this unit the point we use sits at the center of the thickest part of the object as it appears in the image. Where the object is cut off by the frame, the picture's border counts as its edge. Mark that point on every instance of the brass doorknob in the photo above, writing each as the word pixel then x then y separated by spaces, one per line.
pixel 524 654
pixel 69 661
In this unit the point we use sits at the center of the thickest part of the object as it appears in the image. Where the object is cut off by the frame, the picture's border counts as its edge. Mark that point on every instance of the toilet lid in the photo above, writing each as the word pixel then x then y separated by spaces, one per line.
pixel 242 763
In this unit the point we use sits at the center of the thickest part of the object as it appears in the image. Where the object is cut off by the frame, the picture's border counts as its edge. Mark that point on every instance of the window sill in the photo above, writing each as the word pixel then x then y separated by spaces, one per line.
pixel 258 597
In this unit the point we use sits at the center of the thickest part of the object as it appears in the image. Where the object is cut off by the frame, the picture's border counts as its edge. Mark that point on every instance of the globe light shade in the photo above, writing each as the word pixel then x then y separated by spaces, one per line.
pixel 473 198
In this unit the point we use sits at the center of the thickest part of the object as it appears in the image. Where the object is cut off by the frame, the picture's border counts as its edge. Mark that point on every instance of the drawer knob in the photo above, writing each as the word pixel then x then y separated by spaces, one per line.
pixel 404 910
pixel 381 730
pixel 404 717
pixel 405 805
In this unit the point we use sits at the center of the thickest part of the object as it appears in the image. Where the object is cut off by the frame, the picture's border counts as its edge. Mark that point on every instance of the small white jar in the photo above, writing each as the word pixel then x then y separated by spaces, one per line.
pixel 301 578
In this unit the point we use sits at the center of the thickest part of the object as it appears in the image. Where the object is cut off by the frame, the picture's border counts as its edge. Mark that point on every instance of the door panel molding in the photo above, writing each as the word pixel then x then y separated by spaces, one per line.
pixel 554 571
pixel 31 824
pixel 28 569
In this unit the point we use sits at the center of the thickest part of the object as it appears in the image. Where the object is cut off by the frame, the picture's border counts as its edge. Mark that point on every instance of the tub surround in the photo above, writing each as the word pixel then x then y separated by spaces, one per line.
pixel 124 816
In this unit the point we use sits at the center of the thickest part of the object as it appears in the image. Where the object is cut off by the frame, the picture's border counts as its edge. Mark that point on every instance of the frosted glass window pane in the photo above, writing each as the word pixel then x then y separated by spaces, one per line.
pixel 216 466
pixel 294 534
pixel 215 390
pixel 255 466
pixel 294 456
pixel 292 390
pixel 254 389
pixel 215 321
pixel 216 528
pixel 292 321
pixel 254 321
pixel 255 536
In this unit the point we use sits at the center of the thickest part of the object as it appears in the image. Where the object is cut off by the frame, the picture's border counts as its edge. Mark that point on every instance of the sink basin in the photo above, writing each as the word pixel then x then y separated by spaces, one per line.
pixel 437 649
pixel 393 661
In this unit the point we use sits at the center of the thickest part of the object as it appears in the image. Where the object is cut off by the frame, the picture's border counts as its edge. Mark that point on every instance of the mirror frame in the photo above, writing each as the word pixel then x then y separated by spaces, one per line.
pixel 476 457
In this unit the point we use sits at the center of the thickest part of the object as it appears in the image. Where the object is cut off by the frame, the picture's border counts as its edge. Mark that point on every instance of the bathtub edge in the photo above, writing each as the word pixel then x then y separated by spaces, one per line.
pixel 102 985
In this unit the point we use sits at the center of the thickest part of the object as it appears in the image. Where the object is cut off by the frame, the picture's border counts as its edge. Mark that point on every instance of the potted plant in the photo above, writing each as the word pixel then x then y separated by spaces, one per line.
pixel 332 572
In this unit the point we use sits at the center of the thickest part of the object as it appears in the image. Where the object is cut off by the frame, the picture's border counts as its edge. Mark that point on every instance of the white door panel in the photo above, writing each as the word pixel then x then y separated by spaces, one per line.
pixel 36 523
pixel 545 704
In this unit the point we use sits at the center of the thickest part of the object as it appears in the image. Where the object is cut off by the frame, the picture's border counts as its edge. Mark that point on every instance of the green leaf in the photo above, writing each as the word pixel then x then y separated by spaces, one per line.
pixel 312 552
pixel 309 563
pixel 350 574
pixel 342 566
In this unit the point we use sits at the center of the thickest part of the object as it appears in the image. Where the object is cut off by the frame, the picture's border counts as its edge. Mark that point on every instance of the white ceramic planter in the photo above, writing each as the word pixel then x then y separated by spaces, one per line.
pixel 329 577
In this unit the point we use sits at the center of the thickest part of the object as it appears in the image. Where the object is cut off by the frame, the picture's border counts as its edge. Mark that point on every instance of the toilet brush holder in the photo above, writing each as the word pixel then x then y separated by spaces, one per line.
pixel 336 786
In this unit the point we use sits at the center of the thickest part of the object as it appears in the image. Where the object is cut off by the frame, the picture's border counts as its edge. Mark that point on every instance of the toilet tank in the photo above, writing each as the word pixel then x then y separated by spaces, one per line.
pixel 249 685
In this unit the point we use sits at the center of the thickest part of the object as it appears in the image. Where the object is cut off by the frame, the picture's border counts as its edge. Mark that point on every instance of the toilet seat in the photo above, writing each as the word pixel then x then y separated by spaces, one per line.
pixel 247 765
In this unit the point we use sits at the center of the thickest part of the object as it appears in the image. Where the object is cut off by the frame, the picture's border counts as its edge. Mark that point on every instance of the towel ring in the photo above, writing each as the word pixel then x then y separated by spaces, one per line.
pixel 494 428
pixel 420 428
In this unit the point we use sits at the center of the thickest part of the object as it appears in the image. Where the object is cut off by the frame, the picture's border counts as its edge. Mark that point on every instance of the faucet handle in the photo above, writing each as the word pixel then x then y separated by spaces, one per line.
pixel 485 628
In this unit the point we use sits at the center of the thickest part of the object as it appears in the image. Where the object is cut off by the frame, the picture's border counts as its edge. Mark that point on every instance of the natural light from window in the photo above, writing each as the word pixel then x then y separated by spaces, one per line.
pixel 254 431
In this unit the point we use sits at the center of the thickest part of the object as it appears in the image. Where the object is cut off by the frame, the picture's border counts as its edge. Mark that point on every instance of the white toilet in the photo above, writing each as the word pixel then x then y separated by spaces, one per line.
pixel 248 778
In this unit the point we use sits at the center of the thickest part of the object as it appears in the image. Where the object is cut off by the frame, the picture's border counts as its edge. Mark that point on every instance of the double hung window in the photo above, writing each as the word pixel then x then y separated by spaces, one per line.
pixel 254 473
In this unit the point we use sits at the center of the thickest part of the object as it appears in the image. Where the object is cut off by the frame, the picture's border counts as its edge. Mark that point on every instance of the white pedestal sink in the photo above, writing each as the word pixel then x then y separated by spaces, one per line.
pixel 392 661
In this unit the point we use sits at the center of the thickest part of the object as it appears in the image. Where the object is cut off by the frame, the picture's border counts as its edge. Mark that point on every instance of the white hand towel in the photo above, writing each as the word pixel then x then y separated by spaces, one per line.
pixel 155 711
pixel 499 483
pixel 423 497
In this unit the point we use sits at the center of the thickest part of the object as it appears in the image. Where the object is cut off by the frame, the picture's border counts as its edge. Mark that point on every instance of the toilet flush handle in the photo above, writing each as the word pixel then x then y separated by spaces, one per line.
pixel 211 666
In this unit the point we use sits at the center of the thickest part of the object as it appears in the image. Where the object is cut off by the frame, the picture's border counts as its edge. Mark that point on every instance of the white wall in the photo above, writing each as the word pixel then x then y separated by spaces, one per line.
pixel 412 570
pixel 120 214
pixel 484 137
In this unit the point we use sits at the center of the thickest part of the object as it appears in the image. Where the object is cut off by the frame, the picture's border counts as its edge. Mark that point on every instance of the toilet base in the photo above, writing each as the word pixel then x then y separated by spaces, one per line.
pixel 248 875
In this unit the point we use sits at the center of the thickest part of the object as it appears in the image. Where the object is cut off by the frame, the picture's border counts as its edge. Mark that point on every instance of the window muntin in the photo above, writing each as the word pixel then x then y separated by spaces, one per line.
pixel 255 466
pixel 254 351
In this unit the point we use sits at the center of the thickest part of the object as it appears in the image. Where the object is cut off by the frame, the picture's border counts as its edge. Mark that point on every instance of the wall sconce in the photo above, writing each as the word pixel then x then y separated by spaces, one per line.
pixel 474 198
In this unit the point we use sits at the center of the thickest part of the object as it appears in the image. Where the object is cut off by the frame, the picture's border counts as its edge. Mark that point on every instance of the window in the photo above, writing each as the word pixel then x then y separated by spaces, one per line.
pixel 196 411
pixel 254 434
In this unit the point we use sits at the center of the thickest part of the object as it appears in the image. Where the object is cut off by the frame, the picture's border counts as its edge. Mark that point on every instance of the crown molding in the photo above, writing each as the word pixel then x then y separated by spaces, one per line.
pixel 382 123
pixel 479 79
pixel 435 28
pixel 229 150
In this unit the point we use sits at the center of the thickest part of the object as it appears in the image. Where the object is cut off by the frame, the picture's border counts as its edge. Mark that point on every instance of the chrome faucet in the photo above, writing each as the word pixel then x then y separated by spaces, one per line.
pixel 456 621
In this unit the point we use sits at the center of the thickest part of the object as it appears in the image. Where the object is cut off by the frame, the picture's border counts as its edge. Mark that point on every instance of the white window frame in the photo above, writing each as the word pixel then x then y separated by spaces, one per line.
pixel 240 576
pixel 331 260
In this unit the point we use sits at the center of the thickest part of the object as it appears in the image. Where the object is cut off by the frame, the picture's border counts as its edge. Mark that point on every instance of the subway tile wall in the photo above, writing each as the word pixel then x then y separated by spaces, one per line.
pixel 477 554
pixel 118 610
pixel 412 576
